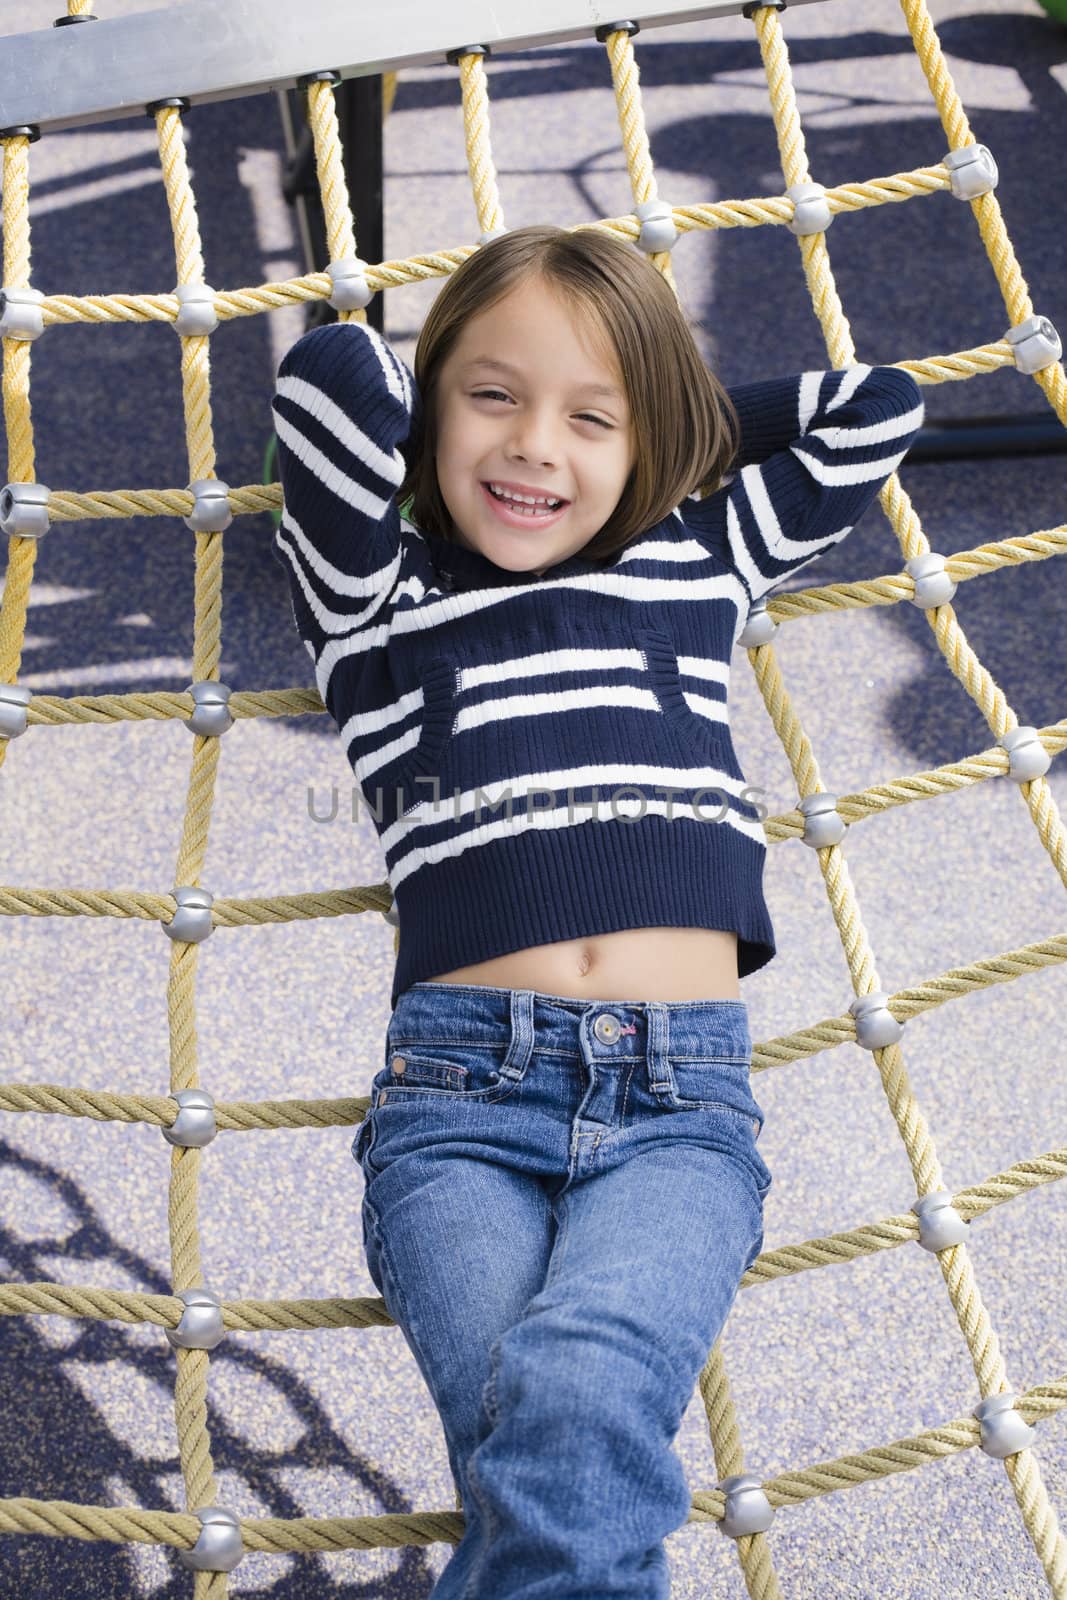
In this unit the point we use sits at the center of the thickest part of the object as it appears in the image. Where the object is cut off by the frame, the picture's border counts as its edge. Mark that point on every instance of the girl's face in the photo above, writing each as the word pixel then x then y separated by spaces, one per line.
pixel 551 419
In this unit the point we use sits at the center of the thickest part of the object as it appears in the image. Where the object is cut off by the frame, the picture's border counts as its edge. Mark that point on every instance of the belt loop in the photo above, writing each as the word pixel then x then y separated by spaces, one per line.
pixel 659 1044
pixel 520 1047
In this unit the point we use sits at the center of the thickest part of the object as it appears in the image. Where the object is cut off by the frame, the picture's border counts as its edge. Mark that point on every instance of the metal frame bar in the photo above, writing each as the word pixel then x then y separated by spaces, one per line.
pixel 210 50
pixel 215 50
pixel 1014 433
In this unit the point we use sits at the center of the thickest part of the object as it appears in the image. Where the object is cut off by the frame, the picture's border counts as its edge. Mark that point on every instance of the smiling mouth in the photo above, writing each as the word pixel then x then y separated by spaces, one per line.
pixel 519 515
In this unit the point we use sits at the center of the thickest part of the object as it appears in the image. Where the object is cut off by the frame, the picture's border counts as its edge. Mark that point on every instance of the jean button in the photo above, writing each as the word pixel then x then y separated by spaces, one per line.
pixel 607 1028
pixel 398 1065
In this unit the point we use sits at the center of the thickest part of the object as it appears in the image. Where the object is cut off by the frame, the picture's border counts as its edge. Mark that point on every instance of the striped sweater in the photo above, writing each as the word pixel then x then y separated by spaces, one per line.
pixel 550 758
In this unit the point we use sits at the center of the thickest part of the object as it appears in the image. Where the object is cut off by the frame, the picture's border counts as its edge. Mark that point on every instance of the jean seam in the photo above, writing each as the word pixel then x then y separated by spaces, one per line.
pixel 360 1158
pixel 488 1527
pixel 492 1410
pixel 484 1097
pixel 414 1041
pixel 403 1321
pixel 562 1224
pixel 714 1105
pixel 710 1061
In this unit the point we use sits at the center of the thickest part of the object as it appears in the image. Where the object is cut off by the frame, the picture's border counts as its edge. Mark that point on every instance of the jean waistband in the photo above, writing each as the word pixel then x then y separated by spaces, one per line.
pixel 481 1014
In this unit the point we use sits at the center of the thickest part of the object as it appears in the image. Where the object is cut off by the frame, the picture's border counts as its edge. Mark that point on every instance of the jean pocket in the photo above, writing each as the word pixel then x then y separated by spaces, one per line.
pixel 721 1086
pixel 453 1070
pixel 713 1083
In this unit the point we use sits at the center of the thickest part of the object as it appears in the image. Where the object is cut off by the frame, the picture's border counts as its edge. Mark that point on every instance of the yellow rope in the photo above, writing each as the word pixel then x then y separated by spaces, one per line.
pixel 22 553
pixel 627 84
pixel 484 188
pixel 163 1311
pixel 760 211
pixel 129 1524
pixel 190 1391
pixel 329 163
pixel 954 1263
pixel 869 1238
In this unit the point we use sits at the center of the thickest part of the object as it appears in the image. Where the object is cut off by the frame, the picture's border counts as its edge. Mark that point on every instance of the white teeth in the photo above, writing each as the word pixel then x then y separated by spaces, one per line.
pixel 549 503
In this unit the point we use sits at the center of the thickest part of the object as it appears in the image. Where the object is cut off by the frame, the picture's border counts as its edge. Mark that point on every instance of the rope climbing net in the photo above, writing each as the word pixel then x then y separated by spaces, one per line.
pixel 209 1538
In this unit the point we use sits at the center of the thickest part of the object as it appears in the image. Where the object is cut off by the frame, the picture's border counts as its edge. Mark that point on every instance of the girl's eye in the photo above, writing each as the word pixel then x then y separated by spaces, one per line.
pixel 498 394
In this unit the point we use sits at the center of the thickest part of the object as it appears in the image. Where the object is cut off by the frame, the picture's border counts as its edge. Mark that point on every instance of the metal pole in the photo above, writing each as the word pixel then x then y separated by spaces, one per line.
pixel 1030 433
pixel 359 111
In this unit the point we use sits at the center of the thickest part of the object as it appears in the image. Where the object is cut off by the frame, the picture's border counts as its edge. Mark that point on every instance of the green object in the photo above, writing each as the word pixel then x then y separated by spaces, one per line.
pixel 269 468
pixel 1055 8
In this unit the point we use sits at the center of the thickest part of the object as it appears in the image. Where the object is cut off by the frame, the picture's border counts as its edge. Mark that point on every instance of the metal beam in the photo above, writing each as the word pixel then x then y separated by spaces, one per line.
pixel 210 50
pixel 1026 433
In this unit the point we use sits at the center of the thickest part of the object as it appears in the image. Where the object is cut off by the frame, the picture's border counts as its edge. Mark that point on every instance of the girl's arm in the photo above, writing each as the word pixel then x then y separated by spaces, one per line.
pixel 768 414
pixel 343 405
pixel 848 431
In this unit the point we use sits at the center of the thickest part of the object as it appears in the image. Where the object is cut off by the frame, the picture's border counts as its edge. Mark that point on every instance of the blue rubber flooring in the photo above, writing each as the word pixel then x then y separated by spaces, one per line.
pixel 822 1364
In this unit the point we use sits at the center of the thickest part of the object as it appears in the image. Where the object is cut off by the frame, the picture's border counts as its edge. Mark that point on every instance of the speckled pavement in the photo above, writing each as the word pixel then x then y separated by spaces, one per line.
pixel 822 1364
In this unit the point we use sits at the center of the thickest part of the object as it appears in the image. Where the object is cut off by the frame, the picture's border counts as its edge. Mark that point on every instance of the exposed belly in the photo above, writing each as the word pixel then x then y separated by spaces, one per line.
pixel 634 964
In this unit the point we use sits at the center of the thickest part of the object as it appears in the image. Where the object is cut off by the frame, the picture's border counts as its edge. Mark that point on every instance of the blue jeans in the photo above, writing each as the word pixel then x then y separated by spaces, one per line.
pixel 561 1198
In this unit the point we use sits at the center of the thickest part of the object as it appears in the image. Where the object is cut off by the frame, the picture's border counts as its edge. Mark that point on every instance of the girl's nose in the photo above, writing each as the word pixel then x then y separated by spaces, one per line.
pixel 531 458
pixel 532 441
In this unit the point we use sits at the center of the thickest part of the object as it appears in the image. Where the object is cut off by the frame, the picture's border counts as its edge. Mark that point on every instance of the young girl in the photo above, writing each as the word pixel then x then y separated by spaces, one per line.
pixel 563 1188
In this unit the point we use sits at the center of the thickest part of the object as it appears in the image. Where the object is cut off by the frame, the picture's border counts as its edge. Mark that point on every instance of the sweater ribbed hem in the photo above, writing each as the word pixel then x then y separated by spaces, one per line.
pixel 600 877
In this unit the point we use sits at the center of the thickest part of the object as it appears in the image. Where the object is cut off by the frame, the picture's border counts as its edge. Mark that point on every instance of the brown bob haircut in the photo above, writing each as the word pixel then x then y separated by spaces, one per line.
pixel 686 430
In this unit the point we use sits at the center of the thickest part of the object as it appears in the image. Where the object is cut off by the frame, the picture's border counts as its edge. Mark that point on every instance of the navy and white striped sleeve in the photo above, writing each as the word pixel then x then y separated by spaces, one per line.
pixel 343 405
pixel 850 431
